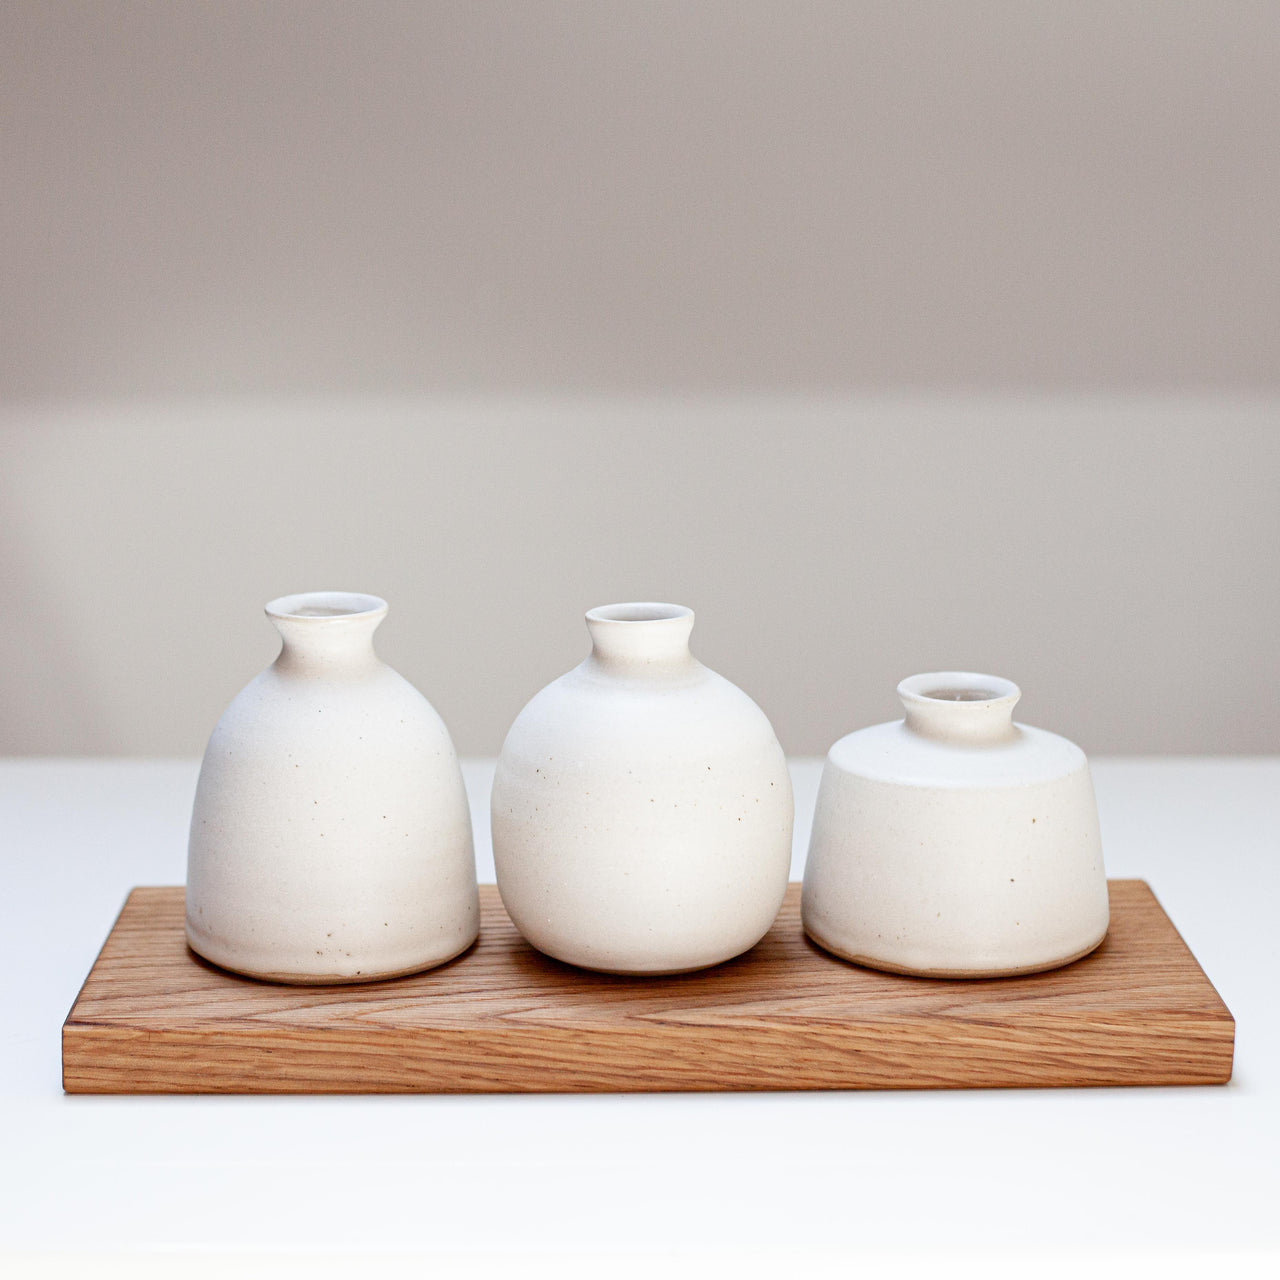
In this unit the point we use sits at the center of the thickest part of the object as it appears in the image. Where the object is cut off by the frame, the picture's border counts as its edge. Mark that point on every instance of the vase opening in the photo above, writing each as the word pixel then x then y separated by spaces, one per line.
pixel 642 633
pixel 959 706
pixel 639 613
pixel 961 695
pixel 326 629
pixel 326 604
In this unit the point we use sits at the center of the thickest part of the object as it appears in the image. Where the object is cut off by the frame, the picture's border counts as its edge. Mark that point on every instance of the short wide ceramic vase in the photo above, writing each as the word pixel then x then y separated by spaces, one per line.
pixel 956 843
pixel 642 809
pixel 331 838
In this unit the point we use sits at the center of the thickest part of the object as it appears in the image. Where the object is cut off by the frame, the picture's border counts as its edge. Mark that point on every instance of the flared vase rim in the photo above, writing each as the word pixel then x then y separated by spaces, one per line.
pixel 958 688
pixel 644 612
pixel 321 607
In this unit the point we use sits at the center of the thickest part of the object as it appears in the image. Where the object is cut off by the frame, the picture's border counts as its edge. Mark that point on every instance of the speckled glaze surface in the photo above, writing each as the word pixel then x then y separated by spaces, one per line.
pixel 642 808
pixel 330 838
pixel 954 842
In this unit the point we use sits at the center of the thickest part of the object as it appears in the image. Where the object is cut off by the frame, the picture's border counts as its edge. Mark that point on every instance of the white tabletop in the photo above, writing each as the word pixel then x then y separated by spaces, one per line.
pixel 1107 1172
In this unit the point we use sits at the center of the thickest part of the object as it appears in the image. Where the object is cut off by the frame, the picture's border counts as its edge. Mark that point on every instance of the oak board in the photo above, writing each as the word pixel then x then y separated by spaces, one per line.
pixel 153 1018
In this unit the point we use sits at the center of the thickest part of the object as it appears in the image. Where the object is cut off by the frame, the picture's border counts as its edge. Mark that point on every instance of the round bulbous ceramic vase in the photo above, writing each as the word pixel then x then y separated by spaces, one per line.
pixel 331 838
pixel 956 843
pixel 642 809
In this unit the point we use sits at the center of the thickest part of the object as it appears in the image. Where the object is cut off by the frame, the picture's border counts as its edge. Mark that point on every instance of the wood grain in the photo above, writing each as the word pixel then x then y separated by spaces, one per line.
pixel 153 1018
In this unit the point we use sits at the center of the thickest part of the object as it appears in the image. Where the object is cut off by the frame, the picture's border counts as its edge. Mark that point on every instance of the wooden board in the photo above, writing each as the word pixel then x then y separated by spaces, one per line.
pixel 152 1018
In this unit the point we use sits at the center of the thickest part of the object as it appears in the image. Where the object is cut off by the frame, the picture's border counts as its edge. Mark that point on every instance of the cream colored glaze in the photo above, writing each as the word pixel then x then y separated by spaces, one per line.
pixel 642 808
pixel 330 837
pixel 956 842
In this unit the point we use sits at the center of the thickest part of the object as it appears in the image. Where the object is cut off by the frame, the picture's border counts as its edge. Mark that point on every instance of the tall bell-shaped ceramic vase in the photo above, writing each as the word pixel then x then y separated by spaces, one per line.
pixel 955 842
pixel 331 838
pixel 642 809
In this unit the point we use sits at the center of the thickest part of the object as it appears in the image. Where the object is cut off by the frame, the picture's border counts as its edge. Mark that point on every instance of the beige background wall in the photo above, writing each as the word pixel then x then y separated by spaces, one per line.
pixel 724 195
pixel 886 335
pixel 1117 559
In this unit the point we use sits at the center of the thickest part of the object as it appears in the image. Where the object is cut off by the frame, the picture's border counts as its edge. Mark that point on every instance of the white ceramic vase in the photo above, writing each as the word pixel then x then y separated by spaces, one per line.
pixel 642 808
pixel 956 843
pixel 331 838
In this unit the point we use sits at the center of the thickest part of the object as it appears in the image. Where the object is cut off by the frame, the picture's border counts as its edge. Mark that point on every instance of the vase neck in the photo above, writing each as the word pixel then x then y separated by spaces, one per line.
pixel 960 706
pixel 641 638
pixel 326 632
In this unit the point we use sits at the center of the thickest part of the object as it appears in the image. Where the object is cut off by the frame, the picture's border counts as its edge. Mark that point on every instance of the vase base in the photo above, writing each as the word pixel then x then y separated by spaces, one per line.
pixel 886 966
pixel 330 980
pixel 645 973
